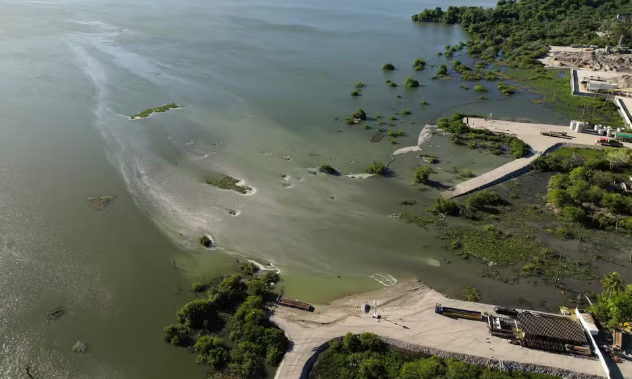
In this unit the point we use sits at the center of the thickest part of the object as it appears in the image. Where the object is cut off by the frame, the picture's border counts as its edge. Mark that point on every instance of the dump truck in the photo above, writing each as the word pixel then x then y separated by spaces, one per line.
pixel 624 137
pixel 611 142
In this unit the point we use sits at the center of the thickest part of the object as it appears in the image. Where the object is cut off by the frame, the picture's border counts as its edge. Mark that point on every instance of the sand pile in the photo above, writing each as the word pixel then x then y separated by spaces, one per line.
pixel 593 60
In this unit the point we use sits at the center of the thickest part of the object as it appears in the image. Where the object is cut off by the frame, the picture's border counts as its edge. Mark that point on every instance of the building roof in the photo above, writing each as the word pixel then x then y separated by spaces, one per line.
pixel 552 327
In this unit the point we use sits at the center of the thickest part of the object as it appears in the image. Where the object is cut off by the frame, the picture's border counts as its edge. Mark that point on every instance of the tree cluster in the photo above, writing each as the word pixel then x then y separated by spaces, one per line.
pixel 614 306
pixel 365 356
pixel 522 30
pixel 234 310
pixel 585 189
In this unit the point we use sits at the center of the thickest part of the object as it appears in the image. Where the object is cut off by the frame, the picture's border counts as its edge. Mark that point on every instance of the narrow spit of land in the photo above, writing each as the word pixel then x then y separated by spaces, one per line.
pixel 408 316
pixel 529 133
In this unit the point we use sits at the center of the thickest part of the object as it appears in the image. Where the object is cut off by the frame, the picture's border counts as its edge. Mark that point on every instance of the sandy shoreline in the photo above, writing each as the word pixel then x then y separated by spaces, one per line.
pixel 408 315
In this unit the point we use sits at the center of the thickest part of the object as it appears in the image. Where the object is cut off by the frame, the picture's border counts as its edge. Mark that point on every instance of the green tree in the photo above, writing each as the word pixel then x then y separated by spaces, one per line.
pixel 460 370
pixel 582 173
pixel 480 88
pixel 612 284
pixel 377 168
pixel 211 351
pixel 428 368
pixel 177 334
pixel 411 82
pixel 559 198
pixel 447 207
pixel 574 214
pixel 442 71
pixel 388 66
pixel 618 158
pixel 615 202
pixel 480 199
pixel 419 64
pixel 372 368
pixel 422 173
pixel 351 342
pixel 360 114
pixel 559 181
pixel 194 313
pixel 370 342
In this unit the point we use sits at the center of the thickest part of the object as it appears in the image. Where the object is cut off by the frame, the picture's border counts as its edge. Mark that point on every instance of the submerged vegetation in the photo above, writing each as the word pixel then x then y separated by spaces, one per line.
pixel 411 82
pixel 367 356
pixel 422 173
pixel 147 112
pixel 388 66
pixel 496 143
pixel 229 183
pixel 377 168
pixel 419 64
pixel 327 169
pixel 229 329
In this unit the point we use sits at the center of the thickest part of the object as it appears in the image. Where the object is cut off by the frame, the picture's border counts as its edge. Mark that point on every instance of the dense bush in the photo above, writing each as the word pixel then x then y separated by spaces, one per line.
pixel 442 71
pixel 360 114
pixel 367 357
pixel 241 304
pixel 411 82
pixel 388 66
pixel 419 64
pixel 377 168
pixel 422 173
pixel 327 169
pixel 523 30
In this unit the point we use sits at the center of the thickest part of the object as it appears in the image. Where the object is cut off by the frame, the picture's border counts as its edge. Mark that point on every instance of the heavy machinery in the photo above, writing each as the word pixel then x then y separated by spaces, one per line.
pixel 611 142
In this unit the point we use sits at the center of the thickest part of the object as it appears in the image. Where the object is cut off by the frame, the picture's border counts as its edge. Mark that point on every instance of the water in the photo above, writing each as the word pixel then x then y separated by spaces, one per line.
pixel 259 81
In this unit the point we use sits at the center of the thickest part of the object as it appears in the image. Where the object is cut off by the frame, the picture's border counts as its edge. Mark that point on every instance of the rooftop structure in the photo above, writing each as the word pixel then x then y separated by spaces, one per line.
pixel 550 332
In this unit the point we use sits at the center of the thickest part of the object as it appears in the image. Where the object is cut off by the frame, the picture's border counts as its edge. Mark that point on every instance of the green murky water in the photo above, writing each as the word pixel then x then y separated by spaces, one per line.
pixel 262 84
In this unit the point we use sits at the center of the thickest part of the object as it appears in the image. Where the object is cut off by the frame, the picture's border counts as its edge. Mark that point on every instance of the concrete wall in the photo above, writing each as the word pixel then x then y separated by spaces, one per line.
pixel 624 111
pixel 595 346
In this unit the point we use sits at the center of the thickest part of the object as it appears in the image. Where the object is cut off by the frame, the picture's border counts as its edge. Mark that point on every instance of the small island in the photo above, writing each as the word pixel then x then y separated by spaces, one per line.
pixel 230 183
pixel 148 112
pixel 327 169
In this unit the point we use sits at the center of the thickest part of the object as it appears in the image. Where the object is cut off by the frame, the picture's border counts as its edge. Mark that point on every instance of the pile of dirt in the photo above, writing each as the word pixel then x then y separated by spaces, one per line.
pixel 595 60
pixel 623 81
